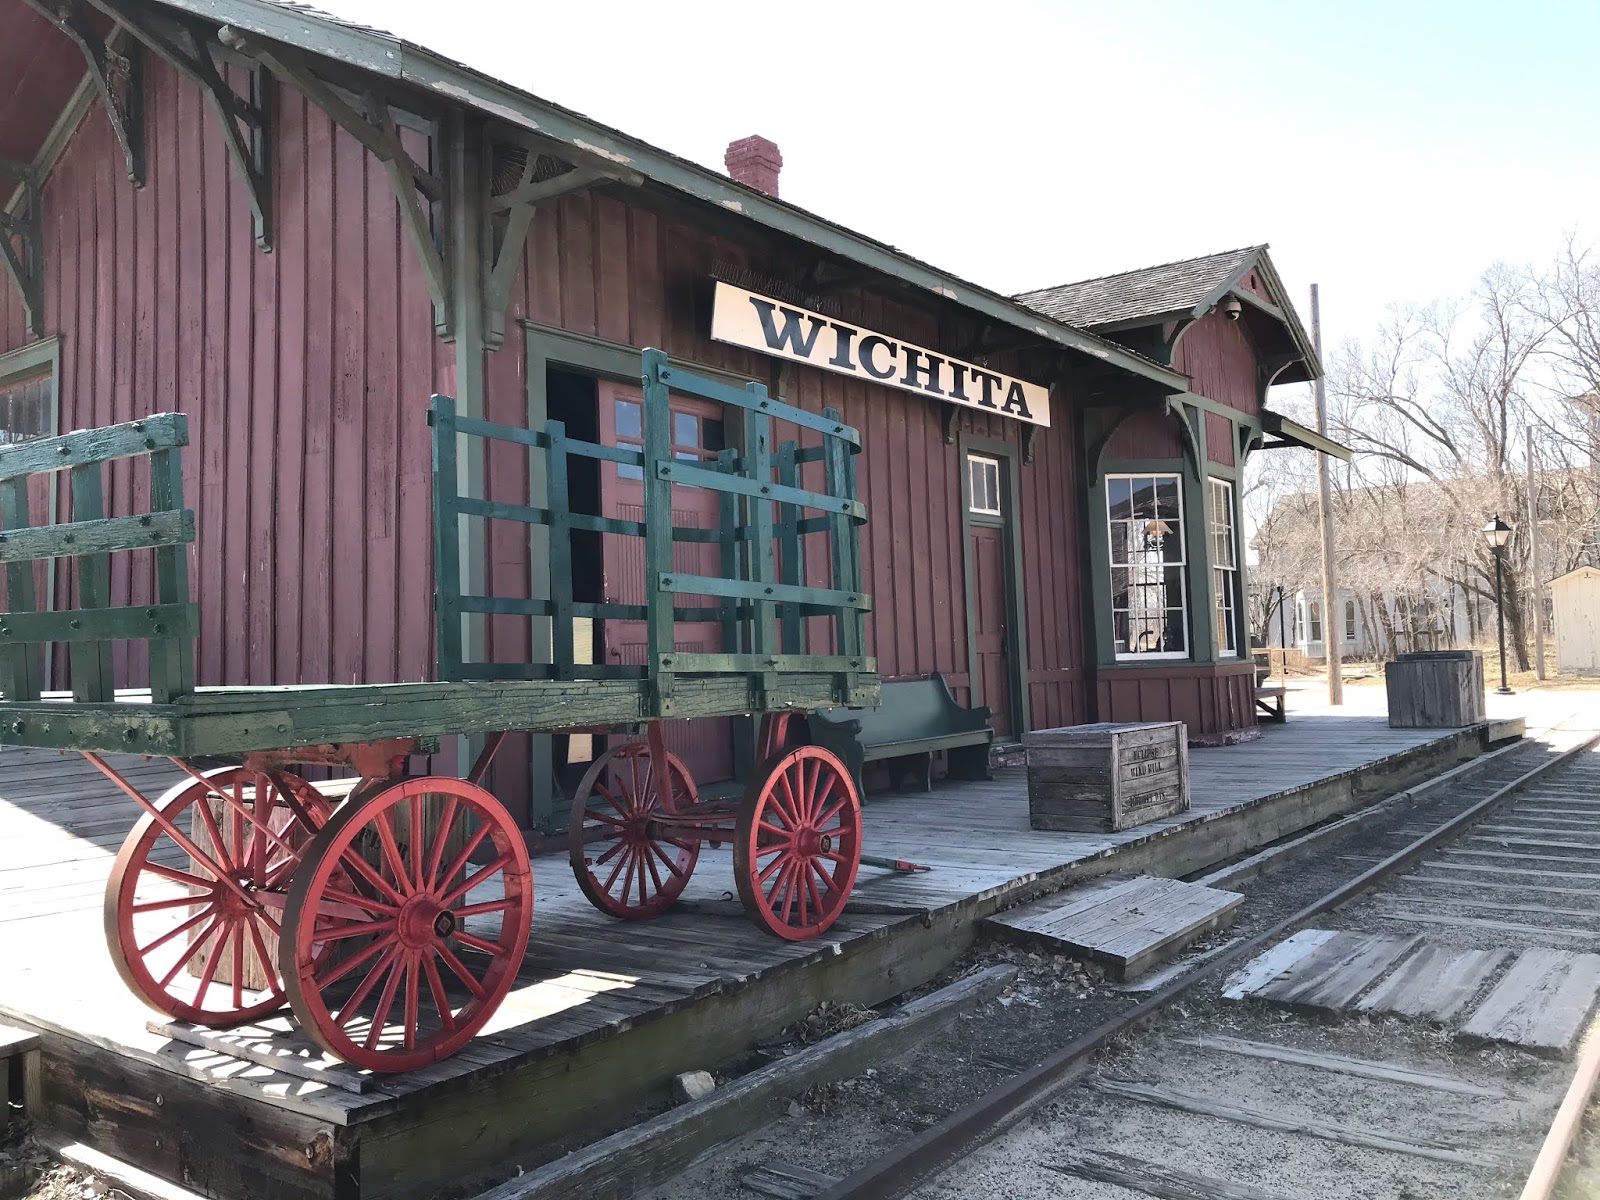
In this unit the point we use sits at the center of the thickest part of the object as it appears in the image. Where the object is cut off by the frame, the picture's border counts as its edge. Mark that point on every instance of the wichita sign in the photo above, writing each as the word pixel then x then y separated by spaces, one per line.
pixel 774 327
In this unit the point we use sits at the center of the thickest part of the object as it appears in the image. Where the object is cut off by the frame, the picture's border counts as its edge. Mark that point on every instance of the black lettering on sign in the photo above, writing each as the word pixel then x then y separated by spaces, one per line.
pixel 1016 402
pixel 958 386
pixel 914 369
pixel 870 343
pixel 988 381
pixel 843 336
pixel 791 335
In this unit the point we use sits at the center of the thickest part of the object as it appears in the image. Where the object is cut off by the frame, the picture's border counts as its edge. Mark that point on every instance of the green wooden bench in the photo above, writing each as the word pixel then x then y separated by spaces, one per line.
pixel 915 718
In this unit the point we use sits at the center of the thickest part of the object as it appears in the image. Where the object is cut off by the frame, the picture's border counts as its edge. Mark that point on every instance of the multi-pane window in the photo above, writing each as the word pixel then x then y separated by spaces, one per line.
pixel 1349 620
pixel 1224 566
pixel 27 393
pixel 1149 611
pixel 695 436
pixel 983 483
pixel 1314 620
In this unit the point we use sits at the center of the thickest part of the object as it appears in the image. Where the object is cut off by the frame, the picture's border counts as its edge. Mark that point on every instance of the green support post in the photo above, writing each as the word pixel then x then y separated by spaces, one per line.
pixel 659 631
pixel 91 661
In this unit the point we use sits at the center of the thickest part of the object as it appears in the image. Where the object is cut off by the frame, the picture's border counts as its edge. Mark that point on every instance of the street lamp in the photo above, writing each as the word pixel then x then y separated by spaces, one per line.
pixel 1498 533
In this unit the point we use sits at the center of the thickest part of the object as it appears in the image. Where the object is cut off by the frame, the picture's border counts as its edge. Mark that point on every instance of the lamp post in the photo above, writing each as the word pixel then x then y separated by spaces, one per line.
pixel 1498 533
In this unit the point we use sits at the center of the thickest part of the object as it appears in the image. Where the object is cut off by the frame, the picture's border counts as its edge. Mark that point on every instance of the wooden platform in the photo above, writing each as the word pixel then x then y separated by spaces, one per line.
pixel 1129 923
pixel 603 1012
pixel 1539 999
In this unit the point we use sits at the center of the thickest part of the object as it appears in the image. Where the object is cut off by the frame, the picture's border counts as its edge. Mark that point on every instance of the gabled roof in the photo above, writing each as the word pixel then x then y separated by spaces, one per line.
pixel 1182 290
pixel 589 141
pixel 1160 291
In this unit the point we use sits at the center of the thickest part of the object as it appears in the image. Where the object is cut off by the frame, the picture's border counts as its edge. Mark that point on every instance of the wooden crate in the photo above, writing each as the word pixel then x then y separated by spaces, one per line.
pixel 1105 777
pixel 1435 689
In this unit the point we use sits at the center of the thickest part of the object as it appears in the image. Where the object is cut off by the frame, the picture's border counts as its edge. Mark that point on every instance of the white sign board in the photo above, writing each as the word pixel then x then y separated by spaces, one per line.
pixel 784 330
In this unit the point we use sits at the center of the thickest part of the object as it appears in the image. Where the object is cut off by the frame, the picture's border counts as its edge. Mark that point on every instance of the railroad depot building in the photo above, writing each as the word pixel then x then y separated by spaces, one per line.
pixel 295 230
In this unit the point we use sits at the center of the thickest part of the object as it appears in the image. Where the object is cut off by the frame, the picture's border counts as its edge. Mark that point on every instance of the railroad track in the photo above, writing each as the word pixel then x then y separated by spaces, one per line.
pixel 1293 1085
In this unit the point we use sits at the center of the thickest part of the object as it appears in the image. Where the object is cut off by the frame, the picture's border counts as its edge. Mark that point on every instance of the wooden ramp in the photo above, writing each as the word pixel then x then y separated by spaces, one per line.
pixel 1130 923
pixel 1539 999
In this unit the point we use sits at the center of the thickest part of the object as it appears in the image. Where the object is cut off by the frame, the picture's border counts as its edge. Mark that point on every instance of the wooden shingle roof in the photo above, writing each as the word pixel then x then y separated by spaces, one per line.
pixel 1149 292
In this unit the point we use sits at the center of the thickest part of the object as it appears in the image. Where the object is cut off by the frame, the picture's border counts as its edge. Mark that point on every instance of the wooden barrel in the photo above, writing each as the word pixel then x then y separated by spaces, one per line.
pixel 1435 689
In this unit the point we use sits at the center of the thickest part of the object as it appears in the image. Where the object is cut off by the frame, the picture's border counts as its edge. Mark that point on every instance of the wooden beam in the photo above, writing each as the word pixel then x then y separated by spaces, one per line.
pixel 576 180
pixel 118 77
pixel 417 190
pixel 189 47
pixel 22 248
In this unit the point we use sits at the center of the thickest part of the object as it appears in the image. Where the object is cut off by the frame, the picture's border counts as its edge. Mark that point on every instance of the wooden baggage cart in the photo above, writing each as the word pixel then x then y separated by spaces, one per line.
pixel 392 914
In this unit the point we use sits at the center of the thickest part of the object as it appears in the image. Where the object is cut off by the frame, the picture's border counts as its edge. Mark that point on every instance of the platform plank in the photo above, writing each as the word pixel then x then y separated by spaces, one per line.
pixel 1338 971
pixel 1129 924
pixel 1436 983
pixel 1542 1003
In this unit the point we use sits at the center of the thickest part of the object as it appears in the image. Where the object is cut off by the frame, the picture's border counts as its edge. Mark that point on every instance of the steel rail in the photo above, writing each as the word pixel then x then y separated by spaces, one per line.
pixel 938 1147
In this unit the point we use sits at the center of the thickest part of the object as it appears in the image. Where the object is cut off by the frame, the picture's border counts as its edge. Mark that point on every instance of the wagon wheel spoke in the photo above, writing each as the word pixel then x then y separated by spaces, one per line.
pixel 441 839
pixel 615 807
pixel 473 880
pixel 376 1008
pixel 441 1002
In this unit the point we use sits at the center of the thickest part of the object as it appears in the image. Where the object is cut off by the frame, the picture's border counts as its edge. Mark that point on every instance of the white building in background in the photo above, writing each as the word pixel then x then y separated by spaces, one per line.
pixel 1366 627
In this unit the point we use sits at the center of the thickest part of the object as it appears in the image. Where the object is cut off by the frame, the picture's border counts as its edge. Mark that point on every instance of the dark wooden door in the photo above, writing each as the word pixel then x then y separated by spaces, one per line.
pixel 991 638
pixel 705 745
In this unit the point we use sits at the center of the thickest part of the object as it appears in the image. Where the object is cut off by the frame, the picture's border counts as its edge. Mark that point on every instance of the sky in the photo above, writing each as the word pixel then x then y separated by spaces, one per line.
pixel 1386 151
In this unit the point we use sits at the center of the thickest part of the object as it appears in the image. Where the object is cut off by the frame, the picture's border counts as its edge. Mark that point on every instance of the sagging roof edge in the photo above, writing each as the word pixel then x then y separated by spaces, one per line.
pixel 415 65
pixel 1299 435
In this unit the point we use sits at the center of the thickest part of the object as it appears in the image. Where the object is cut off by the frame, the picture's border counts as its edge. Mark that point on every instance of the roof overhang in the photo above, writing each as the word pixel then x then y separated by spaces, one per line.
pixel 1292 433
pixel 1279 311
pixel 590 141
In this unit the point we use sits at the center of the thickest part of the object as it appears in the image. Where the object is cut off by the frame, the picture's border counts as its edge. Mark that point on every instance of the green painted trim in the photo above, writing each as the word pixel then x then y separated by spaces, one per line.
pixel 594 144
pixel 1301 435
pixel 25 360
pixel 1011 547
pixel 1197 548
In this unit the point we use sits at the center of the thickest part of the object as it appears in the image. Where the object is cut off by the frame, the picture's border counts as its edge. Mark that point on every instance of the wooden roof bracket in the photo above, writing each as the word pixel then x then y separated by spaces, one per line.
pixel 418 190
pixel 508 219
pixel 189 48
pixel 118 74
pixel 24 256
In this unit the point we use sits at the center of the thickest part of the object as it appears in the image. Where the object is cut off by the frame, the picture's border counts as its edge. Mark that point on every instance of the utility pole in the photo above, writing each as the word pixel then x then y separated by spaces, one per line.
pixel 1538 569
pixel 1330 628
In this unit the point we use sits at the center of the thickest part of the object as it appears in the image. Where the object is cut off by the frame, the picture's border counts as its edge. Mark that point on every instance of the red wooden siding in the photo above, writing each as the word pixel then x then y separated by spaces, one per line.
pixel 1147 434
pixel 304 373
pixel 1207 698
pixel 1219 439
pixel 39 69
pixel 1217 357
pixel 595 265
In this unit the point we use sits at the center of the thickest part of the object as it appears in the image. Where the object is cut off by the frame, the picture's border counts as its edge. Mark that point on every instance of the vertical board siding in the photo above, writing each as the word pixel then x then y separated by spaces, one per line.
pixel 1208 699
pixel 595 265
pixel 1216 355
pixel 1219 439
pixel 1151 433
pixel 304 373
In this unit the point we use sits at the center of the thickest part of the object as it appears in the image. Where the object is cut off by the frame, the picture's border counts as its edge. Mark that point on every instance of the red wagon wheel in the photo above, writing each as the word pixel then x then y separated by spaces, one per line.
pixel 398 948
pixel 185 945
pixel 628 870
pixel 798 843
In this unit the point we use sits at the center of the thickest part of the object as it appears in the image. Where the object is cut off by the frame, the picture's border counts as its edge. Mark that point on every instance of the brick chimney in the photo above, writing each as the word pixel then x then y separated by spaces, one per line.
pixel 755 162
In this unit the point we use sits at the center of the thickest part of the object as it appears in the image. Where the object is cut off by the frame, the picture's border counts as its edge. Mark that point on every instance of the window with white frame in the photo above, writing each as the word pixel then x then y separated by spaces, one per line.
pixel 1149 608
pixel 1349 620
pixel 983 485
pixel 1314 620
pixel 28 392
pixel 1224 566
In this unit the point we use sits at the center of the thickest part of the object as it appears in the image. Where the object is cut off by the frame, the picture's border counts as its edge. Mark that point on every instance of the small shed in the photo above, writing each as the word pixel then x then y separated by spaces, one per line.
pixel 1575 600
